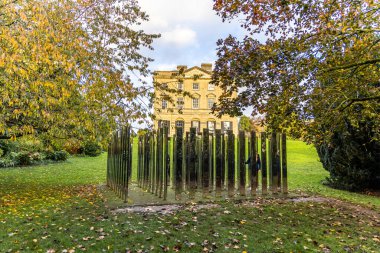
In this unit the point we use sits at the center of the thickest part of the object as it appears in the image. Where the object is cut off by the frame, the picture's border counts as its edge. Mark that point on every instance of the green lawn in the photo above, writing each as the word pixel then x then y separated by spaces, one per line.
pixel 306 174
pixel 61 208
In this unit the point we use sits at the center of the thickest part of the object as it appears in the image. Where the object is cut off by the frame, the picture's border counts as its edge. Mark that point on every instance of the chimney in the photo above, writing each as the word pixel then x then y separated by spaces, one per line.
pixel 206 66
pixel 179 67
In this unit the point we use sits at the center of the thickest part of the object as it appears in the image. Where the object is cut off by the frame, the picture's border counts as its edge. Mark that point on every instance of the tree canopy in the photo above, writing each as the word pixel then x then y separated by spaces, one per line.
pixel 319 63
pixel 316 75
pixel 66 66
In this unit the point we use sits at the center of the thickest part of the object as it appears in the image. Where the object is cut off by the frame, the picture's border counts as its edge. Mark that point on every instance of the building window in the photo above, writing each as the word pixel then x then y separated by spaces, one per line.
pixel 180 86
pixel 180 123
pixel 164 104
pixel 179 103
pixel 196 124
pixel 164 86
pixel 195 103
pixel 164 123
pixel 226 125
pixel 195 86
pixel 211 86
pixel 210 102
pixel 211 126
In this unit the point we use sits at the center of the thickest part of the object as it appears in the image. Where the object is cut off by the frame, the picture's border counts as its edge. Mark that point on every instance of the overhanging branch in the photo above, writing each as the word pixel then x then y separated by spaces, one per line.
pixel 354 100
pixel 348 66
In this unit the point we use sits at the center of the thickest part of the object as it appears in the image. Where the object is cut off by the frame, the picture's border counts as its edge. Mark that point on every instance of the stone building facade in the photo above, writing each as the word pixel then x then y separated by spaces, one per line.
pixel 186 111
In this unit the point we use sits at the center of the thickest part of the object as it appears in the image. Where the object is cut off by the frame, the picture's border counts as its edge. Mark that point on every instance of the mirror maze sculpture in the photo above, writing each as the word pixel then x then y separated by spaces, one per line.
pixel 119 162
pixel 191 166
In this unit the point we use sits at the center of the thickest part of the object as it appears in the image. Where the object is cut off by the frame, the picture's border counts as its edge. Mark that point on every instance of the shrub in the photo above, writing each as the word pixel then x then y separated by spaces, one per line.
pixel 352 157
pixel 6 162
pixel 92 149
pixel 1 152
pixel 23 158
pixel 73 146
pixel 36 156
pixel 9 146
pixel 30 144
pixel 61 155
pixel 12 155
pixel 49 155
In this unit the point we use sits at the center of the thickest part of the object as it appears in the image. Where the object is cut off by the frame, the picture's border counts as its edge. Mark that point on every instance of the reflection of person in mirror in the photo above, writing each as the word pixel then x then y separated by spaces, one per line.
pixel 258 162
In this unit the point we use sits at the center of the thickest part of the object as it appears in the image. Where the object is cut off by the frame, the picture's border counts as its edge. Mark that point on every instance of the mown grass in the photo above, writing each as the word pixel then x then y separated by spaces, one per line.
pixel 307 174
pixel 59 207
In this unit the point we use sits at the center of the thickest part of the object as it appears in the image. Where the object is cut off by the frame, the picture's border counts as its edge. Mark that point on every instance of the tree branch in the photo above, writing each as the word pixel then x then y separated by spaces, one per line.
pixel 353 65
pixel 8 137
pixel 354 100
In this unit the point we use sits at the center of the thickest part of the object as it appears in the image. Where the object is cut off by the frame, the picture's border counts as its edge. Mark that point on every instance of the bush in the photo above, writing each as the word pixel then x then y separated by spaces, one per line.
pixel 25 143
pixel 92 149
pixel 352 157
pixel 61 155
pixel 12 155
pixel 9 146
pixel 36 156
pixel 73 146
pixel 6 162
pixel 1 152
pixel 23 158
pixel 30 144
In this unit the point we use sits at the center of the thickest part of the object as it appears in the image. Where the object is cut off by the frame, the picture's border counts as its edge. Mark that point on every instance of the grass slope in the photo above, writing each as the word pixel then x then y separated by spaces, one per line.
pixel 306 174
pixel 59 208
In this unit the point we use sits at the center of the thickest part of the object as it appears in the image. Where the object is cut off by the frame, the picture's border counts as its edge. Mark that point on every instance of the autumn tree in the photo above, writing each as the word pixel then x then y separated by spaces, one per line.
pixel 245 124
pixel 316 75
pixel 250 124
pixel 66 66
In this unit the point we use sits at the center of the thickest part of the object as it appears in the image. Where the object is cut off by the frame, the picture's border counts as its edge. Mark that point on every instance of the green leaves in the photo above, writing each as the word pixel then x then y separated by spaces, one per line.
pixel 317 55
pixel 65 66
pixel 316 75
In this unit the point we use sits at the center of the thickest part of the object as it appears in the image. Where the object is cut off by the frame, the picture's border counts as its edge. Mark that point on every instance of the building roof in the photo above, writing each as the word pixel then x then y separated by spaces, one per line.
pixel 205 68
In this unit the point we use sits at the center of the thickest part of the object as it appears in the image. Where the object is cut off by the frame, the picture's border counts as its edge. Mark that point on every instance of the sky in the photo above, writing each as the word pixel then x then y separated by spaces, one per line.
pixel 189 31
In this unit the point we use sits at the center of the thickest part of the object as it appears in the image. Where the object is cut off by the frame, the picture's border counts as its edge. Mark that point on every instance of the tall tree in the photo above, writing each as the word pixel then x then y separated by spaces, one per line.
pixel 65 66
pixel 316 75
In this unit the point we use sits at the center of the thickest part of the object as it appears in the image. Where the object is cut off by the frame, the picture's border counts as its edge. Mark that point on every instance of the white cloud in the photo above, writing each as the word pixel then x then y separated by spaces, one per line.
pixel 189 31
pixel 179 37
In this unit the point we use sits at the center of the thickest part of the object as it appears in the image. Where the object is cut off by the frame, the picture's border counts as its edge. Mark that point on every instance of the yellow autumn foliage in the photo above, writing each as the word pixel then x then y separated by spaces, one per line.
pixel 63 66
